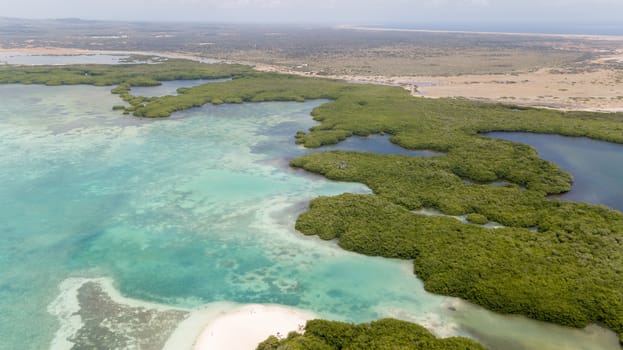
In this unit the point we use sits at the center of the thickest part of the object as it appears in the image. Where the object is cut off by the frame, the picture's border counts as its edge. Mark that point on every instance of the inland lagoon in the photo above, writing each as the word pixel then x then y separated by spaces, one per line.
pixel 178 214
pixel 596 166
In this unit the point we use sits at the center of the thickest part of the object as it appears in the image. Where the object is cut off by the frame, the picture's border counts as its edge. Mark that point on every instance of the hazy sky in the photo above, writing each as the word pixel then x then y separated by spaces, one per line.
pixel 325 11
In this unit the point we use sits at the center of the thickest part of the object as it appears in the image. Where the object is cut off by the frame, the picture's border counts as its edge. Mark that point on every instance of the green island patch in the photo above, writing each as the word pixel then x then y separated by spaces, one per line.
pixel 477 219
pixel 554 261
pixel 382 334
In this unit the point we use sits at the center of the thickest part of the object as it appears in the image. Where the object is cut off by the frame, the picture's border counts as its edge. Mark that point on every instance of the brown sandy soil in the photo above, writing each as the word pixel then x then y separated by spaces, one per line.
pixel 598 90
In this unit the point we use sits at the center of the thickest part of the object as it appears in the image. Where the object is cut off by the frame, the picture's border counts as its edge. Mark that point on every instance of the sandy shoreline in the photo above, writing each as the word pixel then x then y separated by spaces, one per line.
pixel 245 327
pixel 231 326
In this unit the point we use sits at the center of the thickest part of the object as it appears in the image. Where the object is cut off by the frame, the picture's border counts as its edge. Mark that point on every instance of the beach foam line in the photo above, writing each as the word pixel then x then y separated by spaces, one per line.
pixel 65 307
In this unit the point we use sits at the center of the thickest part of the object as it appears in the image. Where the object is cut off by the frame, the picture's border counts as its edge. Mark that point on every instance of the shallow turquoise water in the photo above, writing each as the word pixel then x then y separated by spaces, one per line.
pixel 178 211
pixel 190 210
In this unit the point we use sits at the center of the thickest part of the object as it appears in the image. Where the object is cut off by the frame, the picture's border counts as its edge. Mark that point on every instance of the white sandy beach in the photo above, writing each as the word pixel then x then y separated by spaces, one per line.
pixel 245 327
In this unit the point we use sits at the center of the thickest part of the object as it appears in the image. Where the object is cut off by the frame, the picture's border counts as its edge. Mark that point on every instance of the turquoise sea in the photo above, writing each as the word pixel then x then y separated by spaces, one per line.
pixel 194 209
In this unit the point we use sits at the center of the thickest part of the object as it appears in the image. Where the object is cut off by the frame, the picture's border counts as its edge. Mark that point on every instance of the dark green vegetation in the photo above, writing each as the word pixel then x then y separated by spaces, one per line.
pixel 129 74
pixel 568 271
pixel 477 218
pixel 385 334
